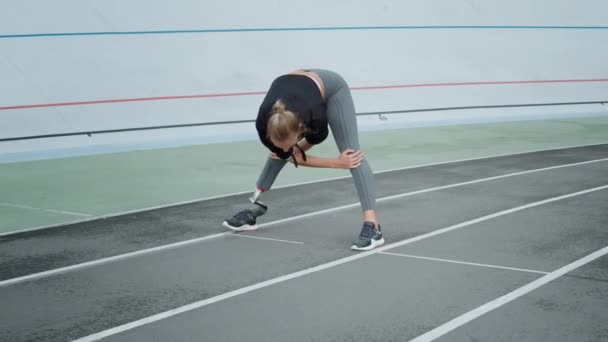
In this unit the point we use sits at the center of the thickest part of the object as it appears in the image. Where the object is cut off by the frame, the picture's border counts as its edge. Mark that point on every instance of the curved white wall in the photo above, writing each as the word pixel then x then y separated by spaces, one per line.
pixel 41 64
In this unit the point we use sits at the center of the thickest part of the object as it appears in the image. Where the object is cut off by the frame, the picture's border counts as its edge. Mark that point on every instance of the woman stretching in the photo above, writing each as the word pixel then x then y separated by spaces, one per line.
pixel 295 116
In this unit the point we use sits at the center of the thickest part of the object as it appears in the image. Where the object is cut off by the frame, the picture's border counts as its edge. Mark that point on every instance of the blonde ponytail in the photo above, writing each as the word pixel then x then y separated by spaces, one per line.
pixel 282 123
pixel 278 106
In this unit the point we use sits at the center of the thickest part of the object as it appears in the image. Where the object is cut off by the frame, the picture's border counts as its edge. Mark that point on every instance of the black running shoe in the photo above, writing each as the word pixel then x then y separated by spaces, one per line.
pixel 243 220
pixel 369 238
pixel 246 219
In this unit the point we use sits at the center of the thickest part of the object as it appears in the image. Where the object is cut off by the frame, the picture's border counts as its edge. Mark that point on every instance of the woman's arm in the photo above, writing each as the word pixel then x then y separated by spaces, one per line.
pixel 349 159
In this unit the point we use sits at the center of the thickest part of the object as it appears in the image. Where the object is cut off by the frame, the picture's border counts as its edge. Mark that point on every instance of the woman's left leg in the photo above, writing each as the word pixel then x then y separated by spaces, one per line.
pixel 342 120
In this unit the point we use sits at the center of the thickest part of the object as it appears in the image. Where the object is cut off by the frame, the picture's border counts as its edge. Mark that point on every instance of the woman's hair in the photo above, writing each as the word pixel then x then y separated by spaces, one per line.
pixel 282 122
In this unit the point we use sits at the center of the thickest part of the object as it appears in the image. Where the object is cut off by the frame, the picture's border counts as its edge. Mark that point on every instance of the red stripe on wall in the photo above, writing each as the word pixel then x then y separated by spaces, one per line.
pixel 181 97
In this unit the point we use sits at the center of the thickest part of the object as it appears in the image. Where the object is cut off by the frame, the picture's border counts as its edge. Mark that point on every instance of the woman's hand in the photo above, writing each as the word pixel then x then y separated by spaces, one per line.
pixel 350 159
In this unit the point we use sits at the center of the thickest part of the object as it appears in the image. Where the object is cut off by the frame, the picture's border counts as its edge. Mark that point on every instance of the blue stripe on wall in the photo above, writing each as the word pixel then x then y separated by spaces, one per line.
pixel 339 28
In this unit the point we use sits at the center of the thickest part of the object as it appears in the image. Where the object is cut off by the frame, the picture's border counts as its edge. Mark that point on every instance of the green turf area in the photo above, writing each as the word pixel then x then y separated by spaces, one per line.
pixel 105 184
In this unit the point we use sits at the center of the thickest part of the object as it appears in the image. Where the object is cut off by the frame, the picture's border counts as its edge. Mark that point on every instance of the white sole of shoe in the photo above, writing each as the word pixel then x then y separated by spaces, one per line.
pixel 374 244
pixel 241 228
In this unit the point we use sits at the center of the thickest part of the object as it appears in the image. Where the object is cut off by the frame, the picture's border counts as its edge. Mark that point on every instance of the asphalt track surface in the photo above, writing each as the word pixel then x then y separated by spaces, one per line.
pixel 510 248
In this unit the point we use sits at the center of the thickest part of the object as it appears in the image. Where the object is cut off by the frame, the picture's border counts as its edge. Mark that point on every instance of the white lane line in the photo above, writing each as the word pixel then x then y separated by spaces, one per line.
pixel 500 301
pixel 247 289
pixel 54 211
pixel 463 262
pixel 418 192
pixel 272 223
pixel 265 238
pixel 293 185
pixel 107 260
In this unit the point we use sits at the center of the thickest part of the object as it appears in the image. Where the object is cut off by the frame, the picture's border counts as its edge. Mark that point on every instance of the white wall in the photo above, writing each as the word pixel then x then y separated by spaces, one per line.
pixel 64 69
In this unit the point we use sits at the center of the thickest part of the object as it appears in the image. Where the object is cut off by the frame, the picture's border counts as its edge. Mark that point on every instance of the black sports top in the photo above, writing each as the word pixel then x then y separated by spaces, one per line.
pixel 302 96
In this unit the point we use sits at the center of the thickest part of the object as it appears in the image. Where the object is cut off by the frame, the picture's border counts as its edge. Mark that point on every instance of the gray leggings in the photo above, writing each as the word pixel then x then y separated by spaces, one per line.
pixel 343 124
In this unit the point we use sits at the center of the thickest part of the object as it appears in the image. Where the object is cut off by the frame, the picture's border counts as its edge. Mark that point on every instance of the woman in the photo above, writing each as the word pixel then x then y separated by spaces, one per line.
pixel 295 116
